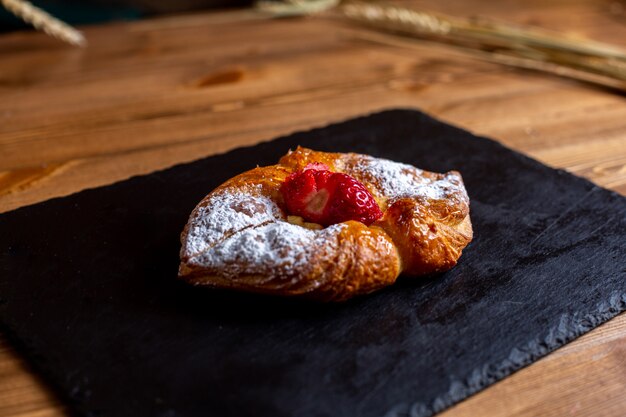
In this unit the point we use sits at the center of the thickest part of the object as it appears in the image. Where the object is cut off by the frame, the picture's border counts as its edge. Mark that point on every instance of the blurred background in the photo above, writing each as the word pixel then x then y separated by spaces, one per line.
pixel 545 77
pixel 95 11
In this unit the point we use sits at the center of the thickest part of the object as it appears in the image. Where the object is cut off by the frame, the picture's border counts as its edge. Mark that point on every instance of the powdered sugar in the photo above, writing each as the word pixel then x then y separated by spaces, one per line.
pixel 276 249
pixel 396 180
pixel 226 213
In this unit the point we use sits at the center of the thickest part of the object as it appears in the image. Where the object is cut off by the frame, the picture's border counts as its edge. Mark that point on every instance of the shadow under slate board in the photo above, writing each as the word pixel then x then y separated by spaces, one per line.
pixel 88 291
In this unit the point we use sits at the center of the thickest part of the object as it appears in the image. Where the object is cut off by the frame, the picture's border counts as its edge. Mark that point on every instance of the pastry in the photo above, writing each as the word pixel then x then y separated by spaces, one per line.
pixel 327 226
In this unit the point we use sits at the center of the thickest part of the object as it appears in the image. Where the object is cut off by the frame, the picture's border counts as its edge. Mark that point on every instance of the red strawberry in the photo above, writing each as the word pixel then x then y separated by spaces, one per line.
pixel 351 201
pixel 305 194
pixel 321 196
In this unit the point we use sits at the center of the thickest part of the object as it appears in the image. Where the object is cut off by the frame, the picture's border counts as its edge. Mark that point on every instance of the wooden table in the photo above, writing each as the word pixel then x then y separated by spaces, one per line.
pixel 150 94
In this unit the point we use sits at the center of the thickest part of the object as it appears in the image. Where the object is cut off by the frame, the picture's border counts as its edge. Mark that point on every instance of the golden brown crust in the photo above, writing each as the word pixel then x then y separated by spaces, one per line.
pixel 420 233
pixel 427 241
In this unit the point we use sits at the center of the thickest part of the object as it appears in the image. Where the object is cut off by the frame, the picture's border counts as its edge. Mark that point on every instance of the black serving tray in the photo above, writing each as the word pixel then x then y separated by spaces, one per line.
pixel 88 291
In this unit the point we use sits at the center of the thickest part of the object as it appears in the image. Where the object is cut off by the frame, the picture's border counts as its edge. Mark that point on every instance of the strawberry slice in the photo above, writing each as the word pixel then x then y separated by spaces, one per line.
pixel 320 196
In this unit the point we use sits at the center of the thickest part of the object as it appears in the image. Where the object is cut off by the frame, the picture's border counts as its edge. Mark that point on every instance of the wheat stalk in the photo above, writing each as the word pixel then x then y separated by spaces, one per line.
pixel 44 21
pixel 288 8
pixel 480 31
pixel 503 43
pixel 508 60
pixel 597 58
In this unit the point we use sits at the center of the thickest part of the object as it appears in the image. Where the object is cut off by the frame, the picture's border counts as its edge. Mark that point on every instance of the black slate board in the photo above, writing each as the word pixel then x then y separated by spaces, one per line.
pixel 89 294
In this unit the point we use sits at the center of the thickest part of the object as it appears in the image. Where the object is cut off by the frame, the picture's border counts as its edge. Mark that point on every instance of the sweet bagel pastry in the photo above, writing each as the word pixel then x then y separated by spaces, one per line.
pixel 327 226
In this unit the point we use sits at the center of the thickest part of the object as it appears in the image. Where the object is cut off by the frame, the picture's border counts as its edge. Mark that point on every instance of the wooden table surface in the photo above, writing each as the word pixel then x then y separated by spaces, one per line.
pixel 150 94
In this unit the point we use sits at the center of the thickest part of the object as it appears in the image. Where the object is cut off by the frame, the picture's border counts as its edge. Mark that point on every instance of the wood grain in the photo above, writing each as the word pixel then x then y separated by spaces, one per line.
pixel 147 95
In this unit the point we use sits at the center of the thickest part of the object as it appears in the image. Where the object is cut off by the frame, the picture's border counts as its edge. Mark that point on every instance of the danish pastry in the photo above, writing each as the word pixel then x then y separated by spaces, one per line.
pixel 327 226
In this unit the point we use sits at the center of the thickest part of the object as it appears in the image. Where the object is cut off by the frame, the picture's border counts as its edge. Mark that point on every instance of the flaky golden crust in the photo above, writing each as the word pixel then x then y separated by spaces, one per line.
pixel 239 236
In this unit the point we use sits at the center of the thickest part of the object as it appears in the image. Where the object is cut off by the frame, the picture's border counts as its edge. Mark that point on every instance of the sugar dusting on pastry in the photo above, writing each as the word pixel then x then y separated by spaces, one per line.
pixel 396 180
pixel 243 233
pixel 266 249
pixel 224 214
pixel 240 237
